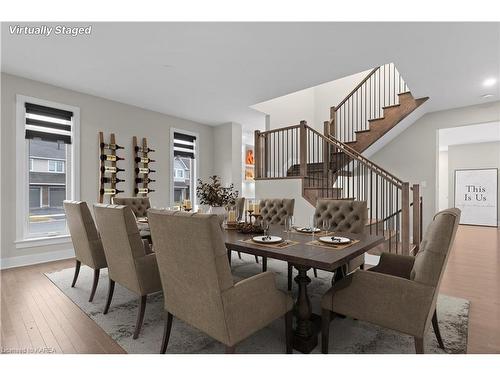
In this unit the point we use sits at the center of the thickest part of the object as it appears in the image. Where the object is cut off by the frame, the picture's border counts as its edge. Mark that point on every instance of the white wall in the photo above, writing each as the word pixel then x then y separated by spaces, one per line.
pixel 312 104
pixel 443 197
pixel 413 155
pixel 472 156
pixel 227 154
pixel 95 114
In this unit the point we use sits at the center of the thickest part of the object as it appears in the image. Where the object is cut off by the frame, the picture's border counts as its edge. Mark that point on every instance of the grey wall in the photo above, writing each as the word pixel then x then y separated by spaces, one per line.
pixel 471 156
pixel 413 155
pixel 95 114
pixel 227 154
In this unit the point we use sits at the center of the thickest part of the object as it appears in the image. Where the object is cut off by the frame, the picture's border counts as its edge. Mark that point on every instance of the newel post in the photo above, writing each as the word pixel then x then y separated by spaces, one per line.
pixel 332 130
pixel 303 148
pixel 326 149
pixel 417 214
pixel 257 154
pixel 405 218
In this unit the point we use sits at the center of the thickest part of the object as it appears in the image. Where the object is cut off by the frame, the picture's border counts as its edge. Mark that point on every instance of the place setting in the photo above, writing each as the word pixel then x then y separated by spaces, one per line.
pixel 266 239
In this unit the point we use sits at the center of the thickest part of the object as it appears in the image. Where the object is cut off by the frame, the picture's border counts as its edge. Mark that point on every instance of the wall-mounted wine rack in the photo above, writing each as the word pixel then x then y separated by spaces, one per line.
pixel 142 176
pixel 109 167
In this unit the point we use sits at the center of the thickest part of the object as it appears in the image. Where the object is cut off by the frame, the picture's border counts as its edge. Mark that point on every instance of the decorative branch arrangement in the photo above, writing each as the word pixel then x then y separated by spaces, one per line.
pixel 142 167
pixel 214 194
pixel 108 167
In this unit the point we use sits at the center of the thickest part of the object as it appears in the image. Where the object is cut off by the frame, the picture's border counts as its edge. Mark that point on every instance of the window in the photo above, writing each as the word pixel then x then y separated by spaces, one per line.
pixel 184 167
pixel 56 166
pixel 179 174
pixel 46 139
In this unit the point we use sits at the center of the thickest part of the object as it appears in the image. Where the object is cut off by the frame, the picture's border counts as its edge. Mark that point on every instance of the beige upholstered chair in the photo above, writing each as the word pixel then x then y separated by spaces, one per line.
pixel 139 205
pixel 275 211
pixel 86 241
pixel 129 263
pixel 347 216
pixel 198 285
pixel 400 293
pixel 239 206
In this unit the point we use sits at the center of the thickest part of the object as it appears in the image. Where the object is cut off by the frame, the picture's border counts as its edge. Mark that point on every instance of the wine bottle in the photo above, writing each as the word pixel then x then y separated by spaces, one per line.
pixel 143 190
pixel 111 146
pixel 110 157
pixel 138 180
pixel 113 179
pixel 144 170
pixel 144 150
pixel 110 191
pixel 109 169
pixel 144 160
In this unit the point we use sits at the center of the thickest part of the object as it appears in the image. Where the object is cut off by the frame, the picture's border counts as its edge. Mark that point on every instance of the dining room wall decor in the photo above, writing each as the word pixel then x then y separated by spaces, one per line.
pixel 476 194
pixel 108 167
pixel 142 170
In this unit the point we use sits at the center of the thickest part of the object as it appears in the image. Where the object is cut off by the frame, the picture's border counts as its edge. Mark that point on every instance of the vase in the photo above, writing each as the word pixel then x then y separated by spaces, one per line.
pixel 217 210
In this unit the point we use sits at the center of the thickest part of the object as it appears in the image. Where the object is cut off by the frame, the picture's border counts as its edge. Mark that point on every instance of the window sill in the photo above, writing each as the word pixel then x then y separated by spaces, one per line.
pixel 42 241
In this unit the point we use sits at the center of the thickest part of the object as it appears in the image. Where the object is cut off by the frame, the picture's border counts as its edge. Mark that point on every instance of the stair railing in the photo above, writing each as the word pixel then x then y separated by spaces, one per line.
pixel 379 89
pixel 329 169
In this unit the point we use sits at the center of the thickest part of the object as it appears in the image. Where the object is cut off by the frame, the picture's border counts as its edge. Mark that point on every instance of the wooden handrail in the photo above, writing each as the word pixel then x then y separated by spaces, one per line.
pixel 356 155
pixel 372 72
pixel 280 129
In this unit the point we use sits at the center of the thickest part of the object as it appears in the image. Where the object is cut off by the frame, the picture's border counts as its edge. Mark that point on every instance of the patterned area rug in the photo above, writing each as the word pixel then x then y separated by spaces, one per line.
pixel 347 335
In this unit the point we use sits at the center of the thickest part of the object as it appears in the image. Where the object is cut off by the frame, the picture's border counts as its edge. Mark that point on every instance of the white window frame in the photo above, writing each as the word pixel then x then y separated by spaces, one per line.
pixel 32 164
pixel 194 174
pixel 23 239
pixel 56 163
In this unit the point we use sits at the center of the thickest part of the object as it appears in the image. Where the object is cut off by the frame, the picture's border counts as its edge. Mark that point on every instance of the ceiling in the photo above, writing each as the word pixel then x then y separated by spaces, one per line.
pixel 213 72
pixel 480 133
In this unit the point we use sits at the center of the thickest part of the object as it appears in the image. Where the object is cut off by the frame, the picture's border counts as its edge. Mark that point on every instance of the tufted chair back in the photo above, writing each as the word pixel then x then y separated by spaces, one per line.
pixel 84 235
pixel 344 215
pixel 275 211
pixel 139 205
pixel 435 247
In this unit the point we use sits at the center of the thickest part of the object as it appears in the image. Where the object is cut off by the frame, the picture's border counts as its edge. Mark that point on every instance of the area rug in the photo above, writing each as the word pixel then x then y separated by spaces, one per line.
pixel 347 335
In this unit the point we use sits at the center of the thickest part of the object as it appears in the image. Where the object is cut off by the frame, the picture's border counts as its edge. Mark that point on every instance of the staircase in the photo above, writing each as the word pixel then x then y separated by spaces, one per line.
pixel 331 165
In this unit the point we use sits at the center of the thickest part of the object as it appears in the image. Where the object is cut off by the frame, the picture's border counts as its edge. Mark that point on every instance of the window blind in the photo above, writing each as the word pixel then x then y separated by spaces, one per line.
pixel 47 124
pixel 184 145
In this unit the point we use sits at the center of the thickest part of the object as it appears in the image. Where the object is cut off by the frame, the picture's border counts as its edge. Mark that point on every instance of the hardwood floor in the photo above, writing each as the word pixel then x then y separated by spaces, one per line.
pixel 35 314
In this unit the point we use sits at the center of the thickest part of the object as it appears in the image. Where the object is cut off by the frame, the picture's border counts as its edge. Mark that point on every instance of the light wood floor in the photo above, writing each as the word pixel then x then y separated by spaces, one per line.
pixel 36 314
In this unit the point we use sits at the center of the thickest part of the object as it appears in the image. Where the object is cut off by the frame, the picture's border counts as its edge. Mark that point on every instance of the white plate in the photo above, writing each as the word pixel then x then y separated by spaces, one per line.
pixel 270 239
pixel 335 240
pixel 307 230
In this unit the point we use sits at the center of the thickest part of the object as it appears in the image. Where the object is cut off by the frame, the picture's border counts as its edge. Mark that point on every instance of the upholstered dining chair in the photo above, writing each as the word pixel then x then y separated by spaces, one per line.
pixel 129 261
pixel 400 293
pixel 348 216
pixel 274 212
pixel 86 241
pixel 139 205
pixel 239 207
pixel 202 292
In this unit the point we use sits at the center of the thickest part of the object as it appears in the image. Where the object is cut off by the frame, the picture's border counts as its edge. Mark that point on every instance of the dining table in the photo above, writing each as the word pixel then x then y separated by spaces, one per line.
pixel 304 252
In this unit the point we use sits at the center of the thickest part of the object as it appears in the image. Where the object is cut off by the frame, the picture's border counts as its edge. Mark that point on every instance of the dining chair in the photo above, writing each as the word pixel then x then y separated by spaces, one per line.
pixel 343 216
pixel 239 206
pixel 129 262
pixel 139 205
pixel 400 293
pixel 275 212
pixel 86 241
pixel 198 285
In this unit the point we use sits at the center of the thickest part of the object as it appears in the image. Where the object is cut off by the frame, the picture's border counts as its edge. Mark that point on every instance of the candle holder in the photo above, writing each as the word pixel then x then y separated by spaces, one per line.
pixel 255 216
pixel 187 209
pixel 249 214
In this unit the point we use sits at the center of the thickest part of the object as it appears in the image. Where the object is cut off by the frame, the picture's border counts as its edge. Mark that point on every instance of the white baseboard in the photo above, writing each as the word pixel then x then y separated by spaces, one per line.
pixel 26 260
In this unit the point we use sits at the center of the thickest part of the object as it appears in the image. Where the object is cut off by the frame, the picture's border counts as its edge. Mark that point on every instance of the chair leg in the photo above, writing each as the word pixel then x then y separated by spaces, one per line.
pixel 419 345
pixel 315 272
pixel 229 256
pixel 111 289
pixel 239 255
pixel 435 326
pixel 140 316
pixel 289 332
pixel 166 333
pixel 94 284
pixel 290 274
pixel 230 349
pixel 256 259
pixel 362 267
pixel 325 330
pixel 77 271
pixel 264 264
